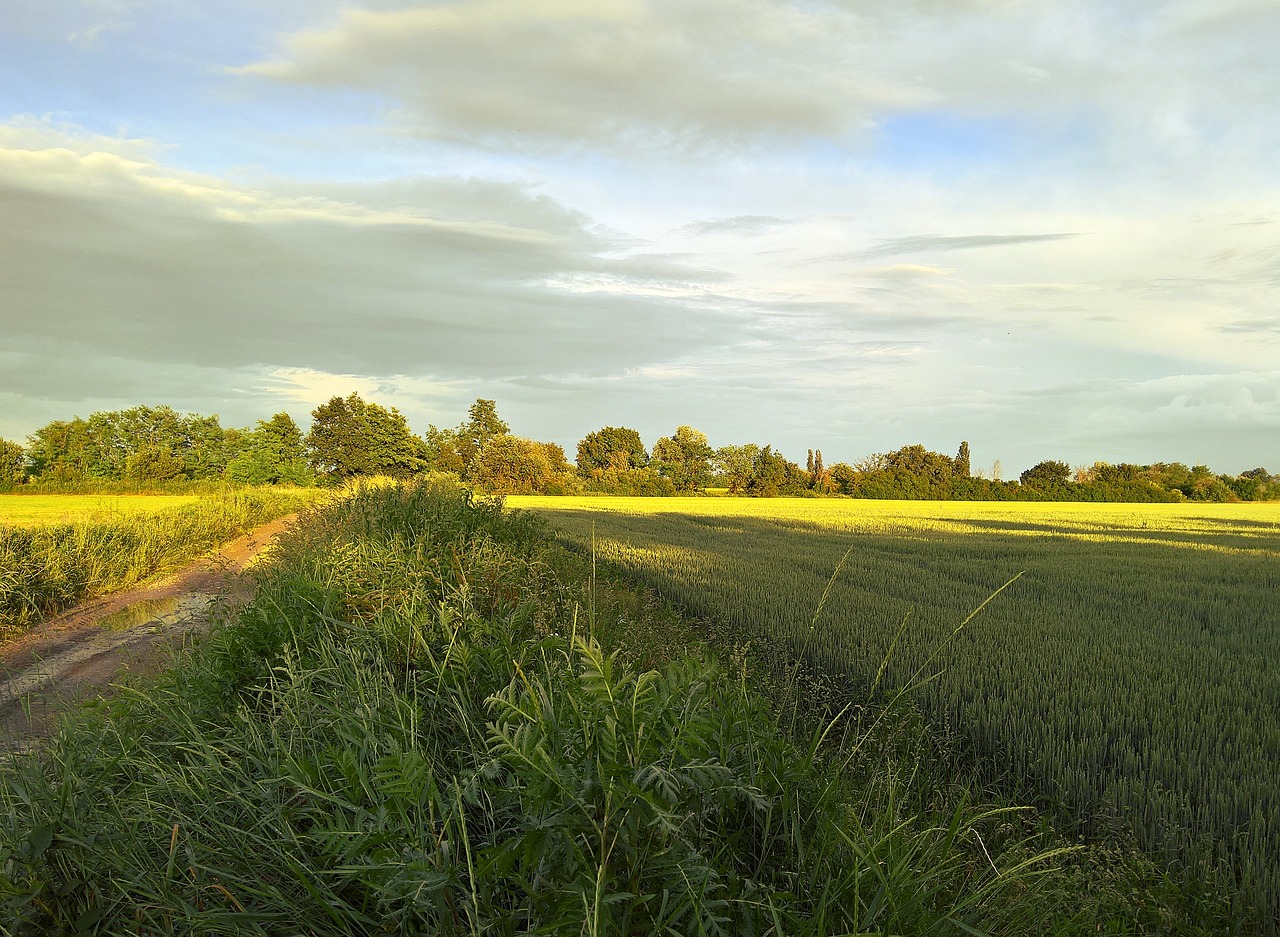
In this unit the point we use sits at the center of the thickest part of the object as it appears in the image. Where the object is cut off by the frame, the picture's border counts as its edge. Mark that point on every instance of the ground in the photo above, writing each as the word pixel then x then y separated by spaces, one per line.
pixel 83 652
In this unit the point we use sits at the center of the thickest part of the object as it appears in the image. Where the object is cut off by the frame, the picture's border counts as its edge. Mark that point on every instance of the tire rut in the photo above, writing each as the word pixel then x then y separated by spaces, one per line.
pixel 83 652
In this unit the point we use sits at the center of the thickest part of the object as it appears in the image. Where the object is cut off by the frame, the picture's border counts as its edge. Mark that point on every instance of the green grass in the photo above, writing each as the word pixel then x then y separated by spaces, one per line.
pixel 47 567
pixel 433 720
pixel 1126 680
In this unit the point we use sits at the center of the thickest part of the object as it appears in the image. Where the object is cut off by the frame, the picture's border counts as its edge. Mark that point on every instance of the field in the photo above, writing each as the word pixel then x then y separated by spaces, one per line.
pixel 35 510
pixel 424 724
pixel 57 550
pixel 1130 675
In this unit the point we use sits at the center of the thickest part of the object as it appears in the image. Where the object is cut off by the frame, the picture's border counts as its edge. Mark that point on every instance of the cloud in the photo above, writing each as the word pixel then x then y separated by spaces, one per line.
pixel 113 257
pixel 905 272
pixel 612 74
pixel 1087 86
pixel 929 244
pixel 1262 328
pixel 744 225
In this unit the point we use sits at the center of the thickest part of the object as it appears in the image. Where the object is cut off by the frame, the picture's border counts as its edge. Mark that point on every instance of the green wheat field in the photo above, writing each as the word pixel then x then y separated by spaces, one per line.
pixel 1128 676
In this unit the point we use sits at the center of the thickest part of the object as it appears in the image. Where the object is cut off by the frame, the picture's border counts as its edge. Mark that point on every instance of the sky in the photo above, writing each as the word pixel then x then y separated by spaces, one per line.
pixel 1048 227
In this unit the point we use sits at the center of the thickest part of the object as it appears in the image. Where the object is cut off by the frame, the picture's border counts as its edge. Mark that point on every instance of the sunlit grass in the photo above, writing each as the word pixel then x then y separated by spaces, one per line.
pixel 418 729
pixel 1128 677
pixel 34 510
pixel 49 565
pixel 1228 527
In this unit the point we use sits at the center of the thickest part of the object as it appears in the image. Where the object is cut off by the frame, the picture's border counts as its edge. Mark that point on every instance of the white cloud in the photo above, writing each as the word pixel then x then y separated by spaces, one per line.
pixel 1165 83
pixel 122 258
pixel 609 73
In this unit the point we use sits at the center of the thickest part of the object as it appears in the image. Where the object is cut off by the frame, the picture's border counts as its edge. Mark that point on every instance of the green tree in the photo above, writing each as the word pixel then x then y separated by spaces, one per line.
pixel 844 478
pixel 509 464
pixel 115 444
pixel 453 450
pixel 685 458
pixel 350 437
pixel 822 482
pixel 1048 476
pixel 773 475
pixel 483 424
pixel 13 464
pixel 1253 485
pixel 60 450
pixel 962 469
pixel 735 465
pixel 274 452
pixel 611 449
pixel 154 462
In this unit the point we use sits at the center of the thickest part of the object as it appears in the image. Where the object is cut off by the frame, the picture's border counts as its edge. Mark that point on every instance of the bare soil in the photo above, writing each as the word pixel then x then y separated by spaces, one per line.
pixel 84 651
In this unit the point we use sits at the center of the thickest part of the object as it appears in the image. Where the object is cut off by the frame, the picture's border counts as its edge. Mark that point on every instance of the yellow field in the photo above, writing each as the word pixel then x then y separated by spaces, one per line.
pixel 1230 527
pixel 34 510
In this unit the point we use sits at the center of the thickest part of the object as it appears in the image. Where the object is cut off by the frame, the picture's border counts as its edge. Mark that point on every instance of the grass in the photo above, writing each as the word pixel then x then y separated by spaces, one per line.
pixel 48 567
pixel 434 720
pixel 1124 682
pixel 24 510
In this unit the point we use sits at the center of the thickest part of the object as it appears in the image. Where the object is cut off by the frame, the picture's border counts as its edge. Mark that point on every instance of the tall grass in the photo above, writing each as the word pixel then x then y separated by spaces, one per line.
pixel 413 729
pixel 1123 682
pixel 47 568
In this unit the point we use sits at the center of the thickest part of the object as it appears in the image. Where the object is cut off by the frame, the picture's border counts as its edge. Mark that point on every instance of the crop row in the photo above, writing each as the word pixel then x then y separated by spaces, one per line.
pixel 1129 673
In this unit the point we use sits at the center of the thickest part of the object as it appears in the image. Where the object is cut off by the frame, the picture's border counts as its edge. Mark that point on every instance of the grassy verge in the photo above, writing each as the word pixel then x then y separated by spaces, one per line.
pixel 46 568
pixel 432 720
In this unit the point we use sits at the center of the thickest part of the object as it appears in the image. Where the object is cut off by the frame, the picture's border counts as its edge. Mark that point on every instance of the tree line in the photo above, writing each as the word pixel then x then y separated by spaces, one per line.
pixel 350 437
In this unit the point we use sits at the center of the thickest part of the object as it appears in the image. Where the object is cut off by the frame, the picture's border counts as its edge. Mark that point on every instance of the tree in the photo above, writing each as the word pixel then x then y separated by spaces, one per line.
pixel 154 462
pixel 350 437
pixel 735 465
pixel 13 463
pixel 774 475
pixel 962 461
pixel 611 449
pixel 844 478
pixel 272 453
pixel 685 458
pixel 141 443
pixel 483 424
pixel 453 450
pixel 1046 476
pixel 60 449
pixel 509 464
pixel 822 482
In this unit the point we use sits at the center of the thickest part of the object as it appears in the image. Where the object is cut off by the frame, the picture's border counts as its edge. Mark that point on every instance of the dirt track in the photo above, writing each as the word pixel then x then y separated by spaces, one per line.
pixel 82 652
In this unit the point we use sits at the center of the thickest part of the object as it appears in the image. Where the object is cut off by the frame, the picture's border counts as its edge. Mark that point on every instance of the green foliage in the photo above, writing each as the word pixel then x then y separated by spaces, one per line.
pixel 642 482
pixel 611 449
pixel 735 466
pixel 962 469
pixel 141 444
pixel 13 464
pixel 48 568
pixel 685 458
pixel 1123 679
pixel 272 453
pixel 773 475
pixel 507 464
pixel 454 450
pixel 912 472
pixel 351 438
pixel 1046 476
pixel 413 730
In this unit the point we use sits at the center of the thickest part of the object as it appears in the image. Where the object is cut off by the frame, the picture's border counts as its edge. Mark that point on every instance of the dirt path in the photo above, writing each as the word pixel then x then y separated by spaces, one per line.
pixel 82 652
